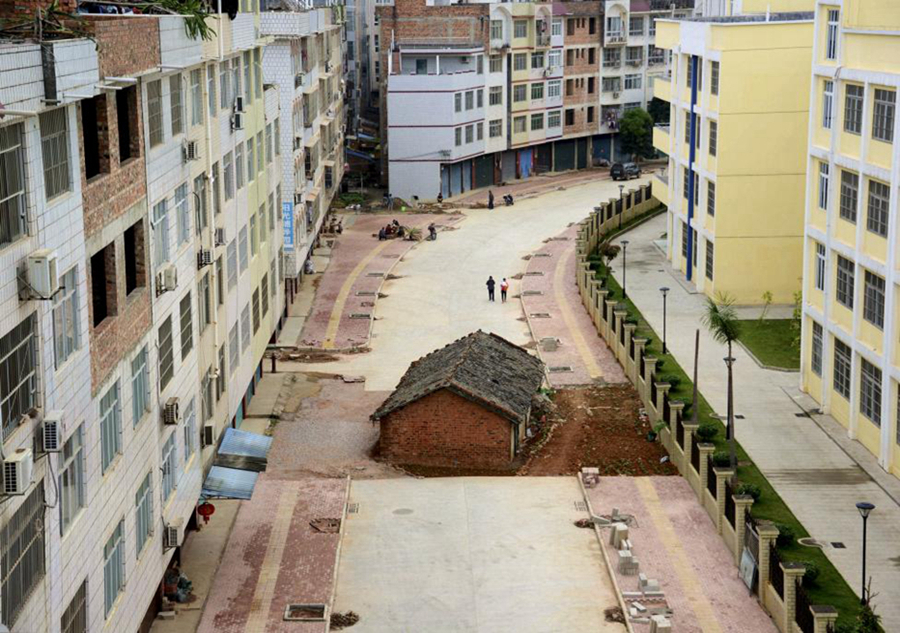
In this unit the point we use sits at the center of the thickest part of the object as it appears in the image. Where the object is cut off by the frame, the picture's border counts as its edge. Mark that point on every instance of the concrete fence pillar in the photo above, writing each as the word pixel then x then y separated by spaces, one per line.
pixel 649 372
pixel 768 534
pixel 742 504
pixel 722 475
pixel 629 334
pixel 639 344
pixel 619 314
pixel 599 300
pixel 792 573
pixel 824 616
pixel 675 409
pixel 689 448
pixel 610 319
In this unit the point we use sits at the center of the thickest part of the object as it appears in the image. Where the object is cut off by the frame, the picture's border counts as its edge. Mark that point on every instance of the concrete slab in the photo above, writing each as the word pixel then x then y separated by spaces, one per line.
pixel 472 554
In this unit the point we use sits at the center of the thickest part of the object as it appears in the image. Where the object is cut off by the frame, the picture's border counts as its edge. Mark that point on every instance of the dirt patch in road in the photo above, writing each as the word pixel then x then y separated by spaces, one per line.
pixel 598 426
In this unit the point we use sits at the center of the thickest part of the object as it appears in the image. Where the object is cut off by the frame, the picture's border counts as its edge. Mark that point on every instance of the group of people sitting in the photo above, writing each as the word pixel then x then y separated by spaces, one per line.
pixel 390 231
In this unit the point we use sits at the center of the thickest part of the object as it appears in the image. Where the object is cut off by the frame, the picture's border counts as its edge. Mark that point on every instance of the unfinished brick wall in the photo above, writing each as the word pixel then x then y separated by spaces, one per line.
pixel 126 47
pixel 29 8
pixel 443 429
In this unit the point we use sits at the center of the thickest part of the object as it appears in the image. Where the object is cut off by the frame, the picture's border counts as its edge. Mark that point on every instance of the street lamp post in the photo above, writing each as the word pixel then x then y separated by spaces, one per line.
pixel 729 362
pixel 864 508
pixel 665 291
pixel 621 204
pixel 624 248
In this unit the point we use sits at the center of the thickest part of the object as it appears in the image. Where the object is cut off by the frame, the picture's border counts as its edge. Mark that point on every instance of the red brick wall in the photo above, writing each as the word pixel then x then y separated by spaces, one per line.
pixel 28 8
pixel 443 429
pixel 126 46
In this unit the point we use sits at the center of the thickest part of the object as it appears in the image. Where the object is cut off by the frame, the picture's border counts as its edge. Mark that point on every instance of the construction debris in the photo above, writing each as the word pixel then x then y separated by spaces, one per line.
pixel 614 614
pixel 326 526
pixel 343 620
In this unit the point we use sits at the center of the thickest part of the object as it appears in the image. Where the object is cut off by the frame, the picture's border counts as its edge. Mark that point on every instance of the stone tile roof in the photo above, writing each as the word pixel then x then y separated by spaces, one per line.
pixel 481 367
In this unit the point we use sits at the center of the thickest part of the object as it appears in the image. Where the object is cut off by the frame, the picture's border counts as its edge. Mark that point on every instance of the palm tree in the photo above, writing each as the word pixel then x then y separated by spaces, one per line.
pixel 722 322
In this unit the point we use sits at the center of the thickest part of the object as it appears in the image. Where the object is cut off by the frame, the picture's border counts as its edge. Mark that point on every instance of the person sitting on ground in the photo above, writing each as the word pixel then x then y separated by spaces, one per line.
pixel 381 234
pixel 440 198
pixel 432 231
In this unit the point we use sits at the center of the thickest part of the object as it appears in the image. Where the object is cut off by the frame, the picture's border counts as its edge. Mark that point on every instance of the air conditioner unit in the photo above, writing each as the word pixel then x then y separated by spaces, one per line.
pixel 239 104
pixel 220 237
pixel 17 469
pixel 237 121
pixel 190 150
pixel 166 279
pixel 172 535
pixel 209 434
pixel 43 280
pixel 660 624
pixel 51 432
pixel 204 258
pixel 171 413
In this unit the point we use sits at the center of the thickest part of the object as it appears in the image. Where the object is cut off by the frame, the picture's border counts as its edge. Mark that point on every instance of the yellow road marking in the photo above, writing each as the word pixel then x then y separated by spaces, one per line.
pixel 268 573
pixel 559 281
pixel 706 618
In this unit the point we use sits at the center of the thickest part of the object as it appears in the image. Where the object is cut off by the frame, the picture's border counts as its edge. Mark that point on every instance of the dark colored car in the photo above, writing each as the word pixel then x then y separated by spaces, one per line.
pixel 624 171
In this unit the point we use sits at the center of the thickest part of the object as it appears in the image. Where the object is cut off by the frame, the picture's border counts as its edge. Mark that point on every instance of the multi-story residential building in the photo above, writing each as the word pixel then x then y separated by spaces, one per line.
pixel 736 150
pixel 475 94
pixel 850 360
pixel 142 229
pixel 304 60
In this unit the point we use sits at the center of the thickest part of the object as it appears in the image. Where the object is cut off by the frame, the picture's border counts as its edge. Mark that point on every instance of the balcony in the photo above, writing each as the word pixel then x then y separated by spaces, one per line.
pixel 661 137
pixel 614 38
pixel 662 89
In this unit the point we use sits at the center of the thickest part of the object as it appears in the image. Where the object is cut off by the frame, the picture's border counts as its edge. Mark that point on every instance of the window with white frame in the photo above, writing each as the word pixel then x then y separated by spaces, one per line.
pixel 495 95
pixel 849 195
pixel 55 153
pixel 496 64
pixel 520 61
pixel 873 299
pixel 211 88
pixel 870 391
pixel 228 176
pixel 496 29
pixel 614 26
pixel 457 102
pixel 556 27
pixel 18 381
pixel 221 381
pixel 74 618
pixel 553 119
pixel 245 327
pixel 554 88
pixel 166 352
pixel 12 175
pixel 232 264
pixel 520 92
pixel 520 28
pixel 243 249
pixel 884 114
pixel 187 326
pixel 518 124
pixel 711 198
pixel 853 108
pixel 632 82
pixel 495 128
pixel 66 336
pixel 844 286
pixel 239 166
pixel 140 386
pixel 537 121
pixel 196 97
pixel 224 86
pixel 878 208
pixel 161 233
pixel 652 29
pixel 143 514
pixel 457 133
pixel 815 357
pixel 713 137
pixel 820 266
pixel 827 104
pixel 169 465
pixel 714 78
pixel 114 567
pixel 842 368
pixel 636 26
pixel 709 259
pixel 22 549
pixel 71 479
pixel 177 105
pixel 190 428
pixel 470 99
pixel 110 426
pixel 254 236
pixel 554 58
pixel 234 347
pixel 182 214
pixel 537 90
pixel 823 186
pixel 831 34
pixel 537 60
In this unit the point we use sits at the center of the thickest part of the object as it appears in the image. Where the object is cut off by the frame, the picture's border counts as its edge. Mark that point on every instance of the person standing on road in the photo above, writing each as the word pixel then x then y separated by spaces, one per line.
pixel 504 286
pixel 490 199
pixel 490 286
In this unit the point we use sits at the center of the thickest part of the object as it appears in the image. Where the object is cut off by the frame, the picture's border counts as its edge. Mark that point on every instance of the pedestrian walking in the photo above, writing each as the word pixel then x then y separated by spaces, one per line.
pixel 490 286
pixel 504 286
pixel 490 199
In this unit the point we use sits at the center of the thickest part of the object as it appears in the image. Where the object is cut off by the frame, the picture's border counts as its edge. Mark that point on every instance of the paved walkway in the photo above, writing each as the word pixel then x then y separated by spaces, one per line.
pixel 582 356
pixel 676 544
pixel 808 466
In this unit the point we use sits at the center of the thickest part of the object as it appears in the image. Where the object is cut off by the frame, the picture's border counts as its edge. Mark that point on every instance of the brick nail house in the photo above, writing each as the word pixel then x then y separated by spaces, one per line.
pixel 465 405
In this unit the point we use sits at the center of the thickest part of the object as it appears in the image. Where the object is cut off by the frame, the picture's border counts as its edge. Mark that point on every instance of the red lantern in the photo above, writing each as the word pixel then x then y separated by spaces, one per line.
pixel 206 510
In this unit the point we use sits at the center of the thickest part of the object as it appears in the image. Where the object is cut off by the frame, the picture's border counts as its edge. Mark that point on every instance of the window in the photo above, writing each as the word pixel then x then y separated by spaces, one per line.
pixel 518 124
pixel 636 27
pixel 211 88
pixel 873 300
pixel 239 166
pixel 520 92
pixel 570 116
pixel 221 380
pixel 169 465
pixel 570 26
pixel 187 330
pixel 22 550
pixel 686 184
pixel 103 283
pixel 190 426
pixel 224 86
pixel 520 61
pixel 713 137
pixel 251 161
pixel 496 29
pixel 820 266
pixel 614 26
pixel 154 112
pixel 711 198
pixel 232 264
pixel 553 88
pixel 458 136
pixel 71 479
pixel 143 514
pixel 114 567
pixel 254 236
pixel 110 426
pixel 242 249
pixel 196 97
pixel 592 85
pixel 134 263
pixel 554 58
pixel 182 214
pixel 228 177
pixel 879 203
pixel 816 352
pixel 12 175
pixel 853 108
pixel 65 318
pixel 845 282
pixel 714 78
pixel 496 64
pixel 883 121
pixel 277 137
pixel 520 28
pixel 94 144
pixel 55 151
pixel 553 119
pixel 160 233
pixel 684 240
pixel 632 82
pixel 537 121
pixel 495 128
pixel 264 293
pixel 842 358
pixel 831 36
pixel 495 95
pixel 849 195
pixel 234 350
pixel 457 102
pixel 248 78
pixel 827 104
pixel 74 618
pixel 470 99
pixel 537 60
pixel 612 57
pixel 245 327
pixel 696 243
pixel 257 71
pixel 823 186
pixel 590 114
pixel 479 131
pixel 166 353
pixel 262 219
pixel 870 392
pixel 470 134
pixel 556 27
pixel 709 260
pixel 537 90
pixel 652 29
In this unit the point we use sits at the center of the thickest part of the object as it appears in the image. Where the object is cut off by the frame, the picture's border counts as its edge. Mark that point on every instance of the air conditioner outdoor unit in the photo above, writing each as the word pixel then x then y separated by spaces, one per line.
pixel 43 280
pixel 172 535
pixel 220 237
pixel 237 121
pixel 166 279
pixel 190 151
pixel 17 472
pixel 239 104
pixel 209 434
pixel 171 413
pixel 204 258
pixel 51 432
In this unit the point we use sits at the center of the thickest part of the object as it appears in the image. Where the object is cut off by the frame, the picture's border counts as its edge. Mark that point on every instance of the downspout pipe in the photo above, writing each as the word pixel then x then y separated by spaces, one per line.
pixel 692 151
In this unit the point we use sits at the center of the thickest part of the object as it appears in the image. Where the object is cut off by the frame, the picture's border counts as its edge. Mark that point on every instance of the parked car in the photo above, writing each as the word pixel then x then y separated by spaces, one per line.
pixel 624 171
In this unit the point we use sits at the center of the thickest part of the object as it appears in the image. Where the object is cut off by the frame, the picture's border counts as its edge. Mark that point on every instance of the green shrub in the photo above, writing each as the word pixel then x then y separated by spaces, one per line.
pixel 721 459
pixel 786 535
pixel 750 489
pixel 671 379
pixel 811 574
pixel 707 431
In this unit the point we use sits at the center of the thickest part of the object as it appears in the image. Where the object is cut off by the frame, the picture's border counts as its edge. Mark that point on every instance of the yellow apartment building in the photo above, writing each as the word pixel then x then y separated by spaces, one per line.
pixel 850 358
pixel 735 181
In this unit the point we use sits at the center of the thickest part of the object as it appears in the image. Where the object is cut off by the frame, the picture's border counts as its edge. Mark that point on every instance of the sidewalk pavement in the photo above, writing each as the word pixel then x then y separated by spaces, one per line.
pixel 810 462
pixel 522 189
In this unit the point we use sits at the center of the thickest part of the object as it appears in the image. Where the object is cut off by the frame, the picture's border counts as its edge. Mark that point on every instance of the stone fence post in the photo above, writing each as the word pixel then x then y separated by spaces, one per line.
pixel 639 344
pixel 649 370
pixel 792 572
pixel 768 534
pixel 722 475
pixel 689 445
pixel 742 504
pixel 610 319
pixel 824 616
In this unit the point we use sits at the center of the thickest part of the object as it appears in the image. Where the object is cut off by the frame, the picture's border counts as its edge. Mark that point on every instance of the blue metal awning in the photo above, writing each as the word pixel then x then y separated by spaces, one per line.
pixel 351 152
pixel 245 444
pixel 229 483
